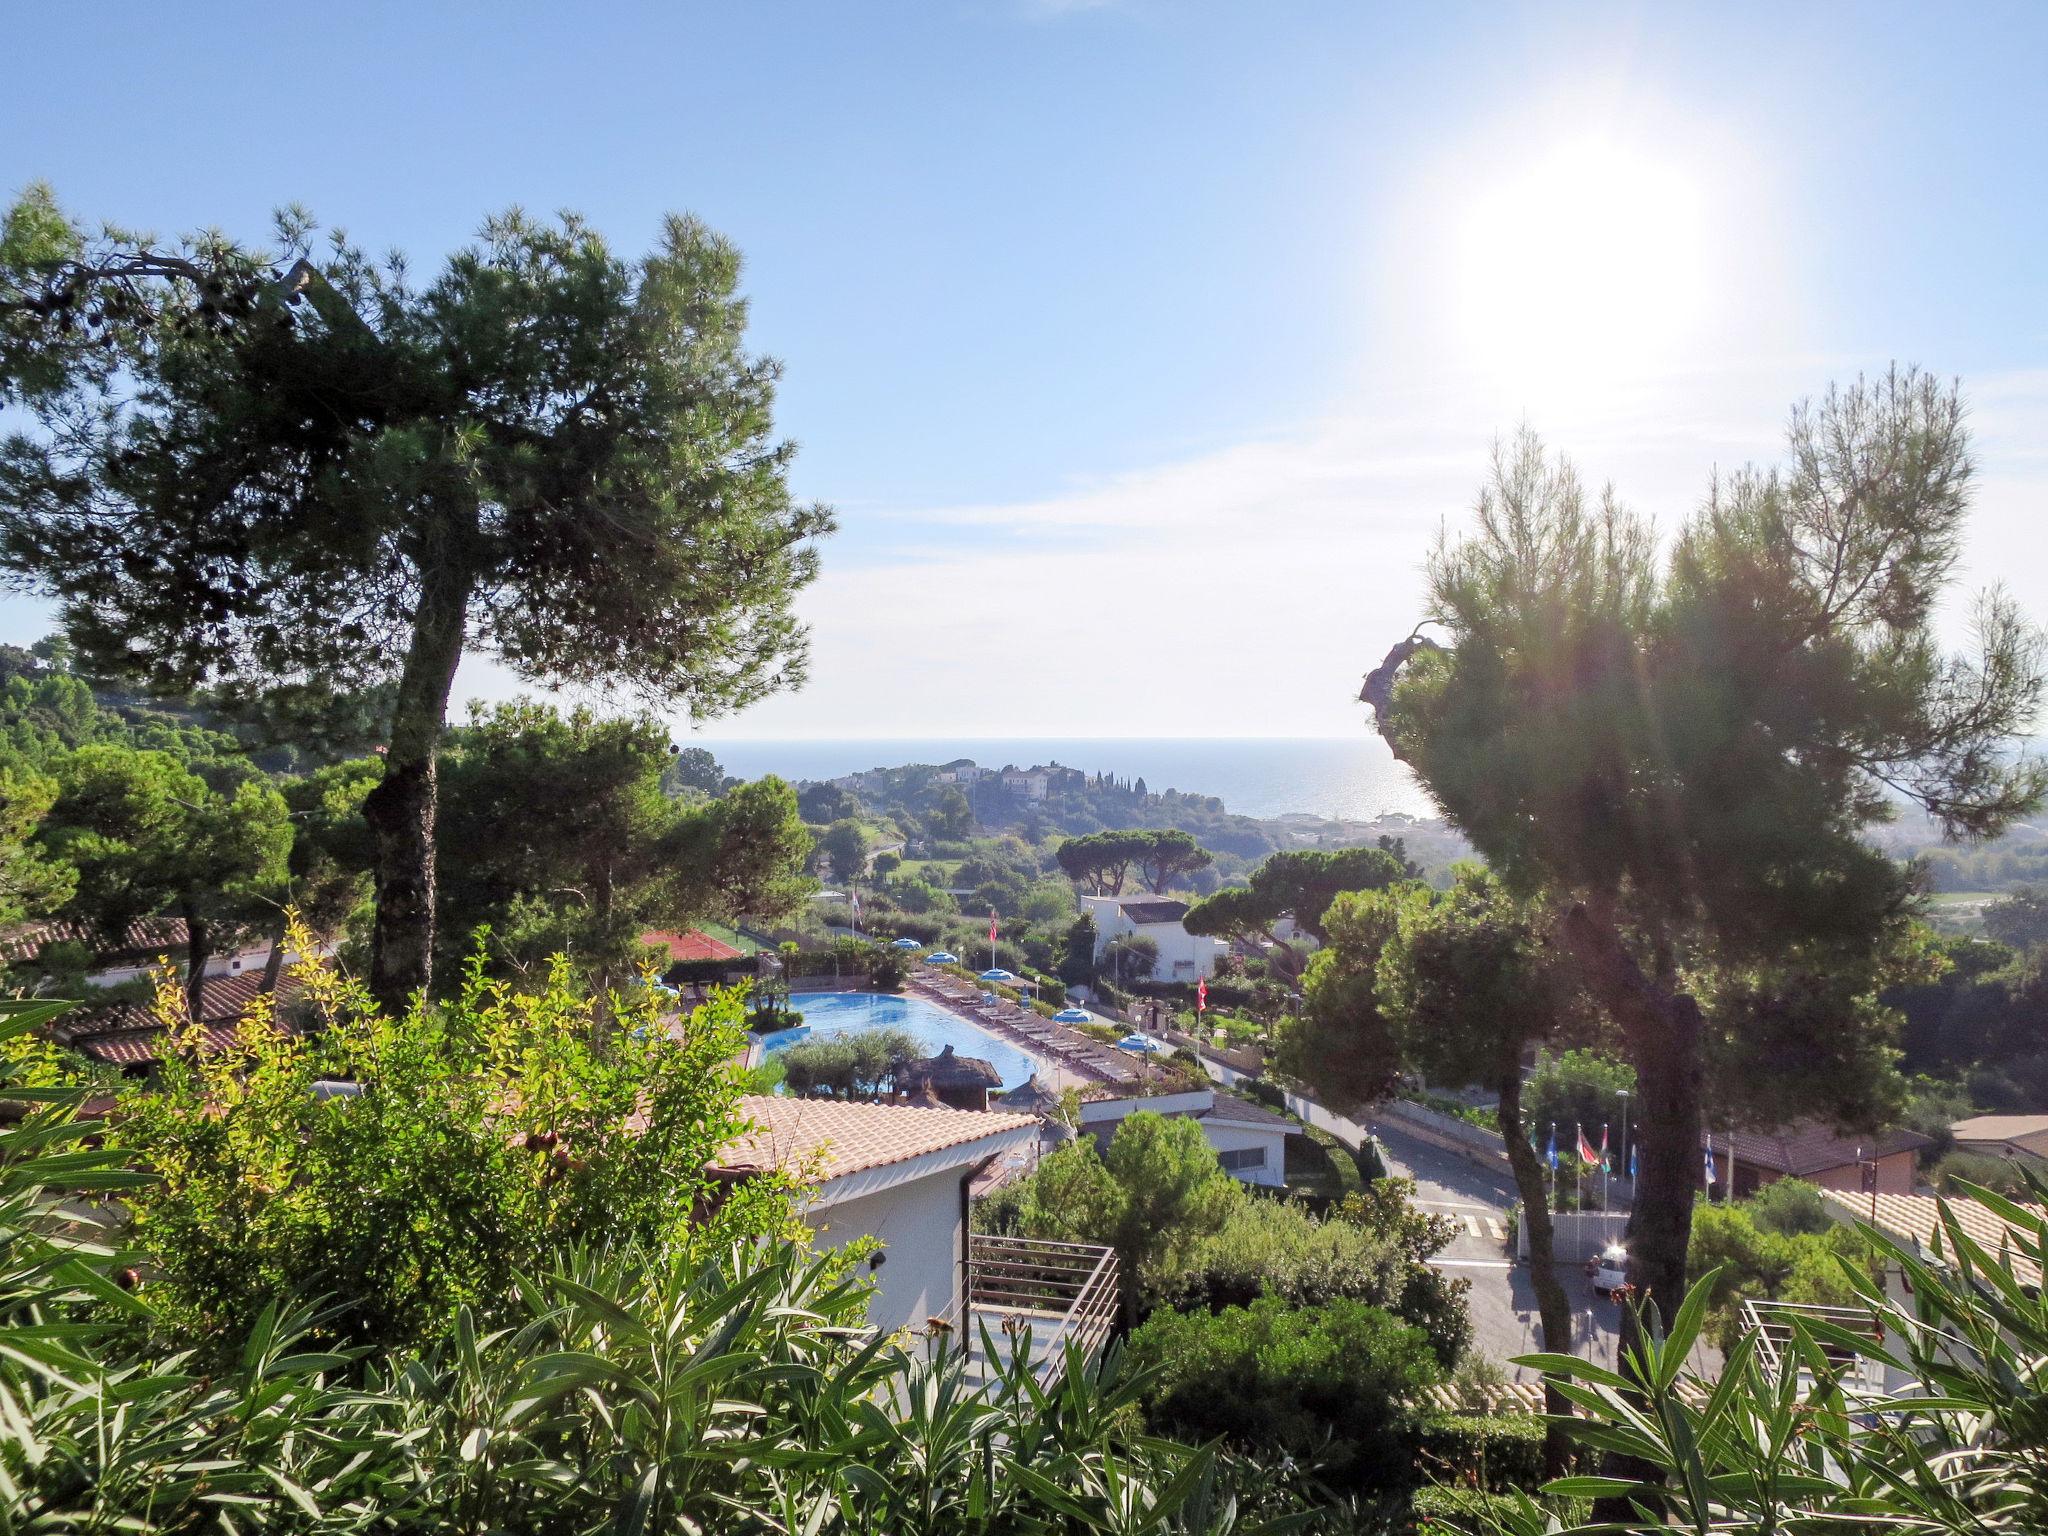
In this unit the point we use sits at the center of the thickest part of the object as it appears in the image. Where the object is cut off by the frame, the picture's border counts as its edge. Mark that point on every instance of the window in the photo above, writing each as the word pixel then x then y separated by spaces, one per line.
pixel 1234 1158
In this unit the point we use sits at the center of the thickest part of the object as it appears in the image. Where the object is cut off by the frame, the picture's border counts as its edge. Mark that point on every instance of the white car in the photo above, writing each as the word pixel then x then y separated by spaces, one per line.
pixel 1608 1272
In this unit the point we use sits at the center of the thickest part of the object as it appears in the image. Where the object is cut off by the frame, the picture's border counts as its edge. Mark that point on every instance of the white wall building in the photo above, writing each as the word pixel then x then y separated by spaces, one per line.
pixel 894 1172
pixel 1182 955
pixel 1249 1139
pixel 1030 783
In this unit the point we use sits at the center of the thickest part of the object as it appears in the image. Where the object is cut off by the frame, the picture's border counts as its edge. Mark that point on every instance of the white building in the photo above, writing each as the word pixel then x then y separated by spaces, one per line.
pixel 1182 955
pixel 1249 1139
pixel 894 1172
pixel 1030 783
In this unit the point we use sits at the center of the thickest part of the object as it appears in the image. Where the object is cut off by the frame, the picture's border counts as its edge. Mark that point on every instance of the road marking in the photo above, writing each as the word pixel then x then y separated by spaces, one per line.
pixel 1471 1225
pixel 1453 1205
pixel 1469 1264
pixel 1496 1231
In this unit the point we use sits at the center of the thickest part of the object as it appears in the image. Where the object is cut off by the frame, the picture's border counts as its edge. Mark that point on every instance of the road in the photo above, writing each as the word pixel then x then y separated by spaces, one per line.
pixel 1503 1298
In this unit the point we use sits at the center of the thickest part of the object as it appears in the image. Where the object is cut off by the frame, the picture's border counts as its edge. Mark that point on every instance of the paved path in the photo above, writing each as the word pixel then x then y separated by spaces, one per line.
pixel 1502 1298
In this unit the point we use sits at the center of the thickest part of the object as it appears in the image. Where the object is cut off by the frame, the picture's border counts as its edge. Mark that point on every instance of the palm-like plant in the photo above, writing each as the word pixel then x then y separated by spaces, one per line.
pixel 1779 1443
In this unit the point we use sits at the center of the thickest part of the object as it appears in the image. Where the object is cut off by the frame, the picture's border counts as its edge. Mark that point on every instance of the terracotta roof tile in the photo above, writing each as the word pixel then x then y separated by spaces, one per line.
pixel 129 1034
pixel 1808 1147
pixel 1918 1217
pixel 144 938
pixel 852 1138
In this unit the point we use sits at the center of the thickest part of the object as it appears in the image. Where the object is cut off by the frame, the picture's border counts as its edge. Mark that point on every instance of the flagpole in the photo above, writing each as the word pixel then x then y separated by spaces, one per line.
pixel 1606 1169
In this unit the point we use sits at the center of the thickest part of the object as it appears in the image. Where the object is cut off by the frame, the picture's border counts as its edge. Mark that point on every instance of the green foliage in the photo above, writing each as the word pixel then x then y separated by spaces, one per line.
pixel 1789 1207
pixel 1340 1043
pixel 549 453
pixel 1785 1446
pixel 488 1133
pixel 861 1064
pixel 1749 1258
pixel 1496 1452
pixel 1333 1383
pixel 845 845
pixel 1580 1087
pixel 1154 1196
pixel 620 1388
pixel 562 840
pixel 31 882
pixel 2020 920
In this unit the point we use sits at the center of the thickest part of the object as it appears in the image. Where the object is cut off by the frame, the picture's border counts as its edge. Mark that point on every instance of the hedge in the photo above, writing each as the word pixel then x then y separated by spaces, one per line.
pixel 1462 1509
pixel 1497 1452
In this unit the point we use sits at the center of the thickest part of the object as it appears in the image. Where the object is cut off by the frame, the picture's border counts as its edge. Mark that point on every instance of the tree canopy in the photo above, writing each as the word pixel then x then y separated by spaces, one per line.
pixel 1681 751
pixel 298 470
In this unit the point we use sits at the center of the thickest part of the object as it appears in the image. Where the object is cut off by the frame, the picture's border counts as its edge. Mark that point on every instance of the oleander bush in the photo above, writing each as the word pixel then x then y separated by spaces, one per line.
pixel 632 1386
pixel 1785 1441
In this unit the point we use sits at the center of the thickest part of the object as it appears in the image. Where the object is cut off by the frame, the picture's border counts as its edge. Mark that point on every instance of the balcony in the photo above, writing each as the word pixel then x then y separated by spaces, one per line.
pixel 1059 1294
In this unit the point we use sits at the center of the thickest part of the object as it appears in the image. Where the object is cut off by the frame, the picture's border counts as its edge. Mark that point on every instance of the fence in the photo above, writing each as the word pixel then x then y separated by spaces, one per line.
pixel 1576 1236
pixel 1022 1281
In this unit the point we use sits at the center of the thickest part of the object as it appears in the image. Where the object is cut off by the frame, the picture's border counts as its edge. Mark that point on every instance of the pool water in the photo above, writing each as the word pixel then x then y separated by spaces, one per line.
pixel 827 1014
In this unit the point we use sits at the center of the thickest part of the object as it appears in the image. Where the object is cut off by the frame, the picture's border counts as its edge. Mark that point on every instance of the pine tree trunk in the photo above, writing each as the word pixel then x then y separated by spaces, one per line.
pixel 1665 1033
pixel 401 809
pixel 273 963
pixel 198 950
pixel 1553 1307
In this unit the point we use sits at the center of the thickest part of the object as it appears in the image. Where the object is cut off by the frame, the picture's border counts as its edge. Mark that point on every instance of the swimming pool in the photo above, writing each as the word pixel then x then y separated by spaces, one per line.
pixel 841 1013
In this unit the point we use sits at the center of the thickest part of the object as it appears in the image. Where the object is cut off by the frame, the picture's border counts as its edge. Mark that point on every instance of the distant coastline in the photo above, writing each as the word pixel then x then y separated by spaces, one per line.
pixel 1336 778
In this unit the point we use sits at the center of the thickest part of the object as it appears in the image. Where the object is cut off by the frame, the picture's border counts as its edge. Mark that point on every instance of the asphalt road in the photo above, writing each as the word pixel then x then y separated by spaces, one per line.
pixel 1502 1298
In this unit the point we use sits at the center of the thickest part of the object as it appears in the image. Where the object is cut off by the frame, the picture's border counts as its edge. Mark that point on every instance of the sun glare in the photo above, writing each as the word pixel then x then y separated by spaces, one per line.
pixel 1586 264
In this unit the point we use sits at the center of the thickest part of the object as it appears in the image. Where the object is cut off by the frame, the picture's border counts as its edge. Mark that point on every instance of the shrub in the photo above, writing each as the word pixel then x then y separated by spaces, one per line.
pixel 1495 1451
pixel 489 1132
pixel 1466 1510
pixel 859 1065
pixel 1789 1207
pixel 1333 1383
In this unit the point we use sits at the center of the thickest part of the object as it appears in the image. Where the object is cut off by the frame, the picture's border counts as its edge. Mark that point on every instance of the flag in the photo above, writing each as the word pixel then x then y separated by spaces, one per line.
pixel 1551 1155
pixel 1606 1161
pixel 1631 1163
pixel 856 901
pixel 1201 994
pixel 1586 1153
pixel 1712 1174
pixel 991 925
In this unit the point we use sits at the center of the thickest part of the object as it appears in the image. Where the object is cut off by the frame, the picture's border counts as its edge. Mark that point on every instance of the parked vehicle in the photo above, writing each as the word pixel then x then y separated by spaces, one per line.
pixel 1609 1271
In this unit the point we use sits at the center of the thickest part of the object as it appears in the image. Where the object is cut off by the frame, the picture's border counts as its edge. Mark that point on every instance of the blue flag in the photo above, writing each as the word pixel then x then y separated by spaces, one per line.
pixel 1631 1164
pixel 1711 1175
pixel 1551 1155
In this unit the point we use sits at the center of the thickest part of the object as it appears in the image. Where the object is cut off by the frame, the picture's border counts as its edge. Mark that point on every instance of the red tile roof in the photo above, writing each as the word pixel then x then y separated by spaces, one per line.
pixel 693 945
pixel 1808 1147
pixel 129 1034
pixel 836 1138
pixel 141 939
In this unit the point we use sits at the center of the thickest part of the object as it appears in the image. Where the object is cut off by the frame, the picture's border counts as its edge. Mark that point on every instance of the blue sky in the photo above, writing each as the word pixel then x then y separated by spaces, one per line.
pixel 1143 346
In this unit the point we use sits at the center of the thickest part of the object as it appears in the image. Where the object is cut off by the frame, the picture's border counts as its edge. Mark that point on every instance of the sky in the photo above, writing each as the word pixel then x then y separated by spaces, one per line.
pixel 1144 347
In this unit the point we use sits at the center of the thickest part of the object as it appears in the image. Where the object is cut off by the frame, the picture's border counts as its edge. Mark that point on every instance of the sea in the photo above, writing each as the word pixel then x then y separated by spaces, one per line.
pixel 1344 778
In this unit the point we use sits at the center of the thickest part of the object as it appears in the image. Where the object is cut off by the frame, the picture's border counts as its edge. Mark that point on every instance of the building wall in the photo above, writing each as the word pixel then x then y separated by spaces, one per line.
pixel 1099 1118
pixel 923 1239
pixel 1896 1175
pixel 1272 1141
pixel 1183 956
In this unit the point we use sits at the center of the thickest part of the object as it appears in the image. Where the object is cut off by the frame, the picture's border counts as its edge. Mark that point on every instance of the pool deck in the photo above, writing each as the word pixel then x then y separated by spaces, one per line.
pixel 1066 1057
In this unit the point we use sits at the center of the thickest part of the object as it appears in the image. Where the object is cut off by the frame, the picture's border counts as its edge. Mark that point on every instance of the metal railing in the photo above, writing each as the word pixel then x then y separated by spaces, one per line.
pixel 1062 1292
pixel 1771 1322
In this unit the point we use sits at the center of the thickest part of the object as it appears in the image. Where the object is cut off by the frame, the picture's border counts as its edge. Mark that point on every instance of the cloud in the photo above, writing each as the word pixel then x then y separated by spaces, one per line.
pixel 1244 591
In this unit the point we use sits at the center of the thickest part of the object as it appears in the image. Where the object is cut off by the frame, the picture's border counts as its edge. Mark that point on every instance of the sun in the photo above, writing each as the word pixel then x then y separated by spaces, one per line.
pixel 1587 262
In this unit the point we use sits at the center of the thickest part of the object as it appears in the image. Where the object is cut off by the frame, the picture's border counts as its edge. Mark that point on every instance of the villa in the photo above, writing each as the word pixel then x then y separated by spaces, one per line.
pixel 902 1174
pixel 1183 956
pixel 1250 1140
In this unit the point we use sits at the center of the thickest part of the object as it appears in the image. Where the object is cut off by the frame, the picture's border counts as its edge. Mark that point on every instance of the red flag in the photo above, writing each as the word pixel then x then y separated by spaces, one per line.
pixel 991 925
pixel 1202 994
pixel 1586 1153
